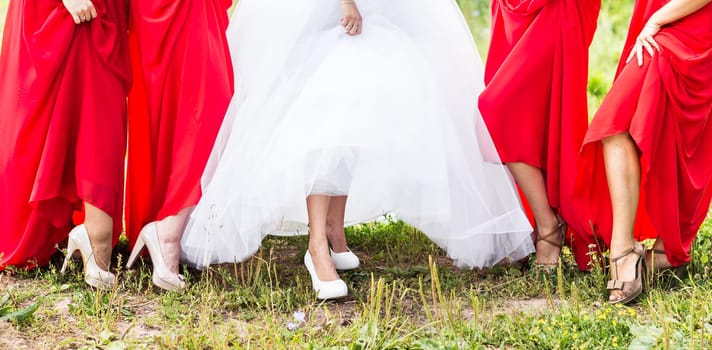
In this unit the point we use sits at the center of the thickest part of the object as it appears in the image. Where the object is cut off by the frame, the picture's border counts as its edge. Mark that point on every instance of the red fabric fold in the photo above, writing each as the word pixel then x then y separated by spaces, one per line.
pixel 183 84
pixel 665 105
pixel 62 123
pixel 534 103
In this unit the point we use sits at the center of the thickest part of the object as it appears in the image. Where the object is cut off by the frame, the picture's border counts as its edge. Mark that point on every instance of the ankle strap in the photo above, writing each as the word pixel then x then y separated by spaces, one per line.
pixel 556 233
pixel 632 249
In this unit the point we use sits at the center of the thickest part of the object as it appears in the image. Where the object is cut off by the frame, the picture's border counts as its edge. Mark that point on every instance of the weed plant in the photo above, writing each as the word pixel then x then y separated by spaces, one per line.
pixel 406 295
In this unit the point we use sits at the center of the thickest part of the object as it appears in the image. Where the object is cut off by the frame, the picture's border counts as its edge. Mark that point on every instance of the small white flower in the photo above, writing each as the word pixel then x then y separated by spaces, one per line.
pixel 299 317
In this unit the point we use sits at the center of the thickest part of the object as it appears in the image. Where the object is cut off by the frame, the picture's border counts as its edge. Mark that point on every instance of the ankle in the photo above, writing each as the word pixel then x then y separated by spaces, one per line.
pixel 317 250
pixel 169 231
pixel 546 223
pixel 658 245
pixel 101 249
pixel 339 246
pixel 340 249
pixel 620 247
pixel 169 241
pixel 337 238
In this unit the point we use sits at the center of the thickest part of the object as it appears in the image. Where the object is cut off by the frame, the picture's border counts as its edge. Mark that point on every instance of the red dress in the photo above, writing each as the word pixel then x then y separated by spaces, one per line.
pixel 62 123
pixel 665 106
pixel 534 103
pixel 183 84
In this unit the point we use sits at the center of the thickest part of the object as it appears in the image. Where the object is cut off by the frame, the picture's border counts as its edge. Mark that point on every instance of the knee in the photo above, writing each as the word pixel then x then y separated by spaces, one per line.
pixel 618 140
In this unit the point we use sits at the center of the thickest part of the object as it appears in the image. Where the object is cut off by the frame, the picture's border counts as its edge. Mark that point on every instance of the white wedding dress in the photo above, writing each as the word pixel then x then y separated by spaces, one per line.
pixel 388 117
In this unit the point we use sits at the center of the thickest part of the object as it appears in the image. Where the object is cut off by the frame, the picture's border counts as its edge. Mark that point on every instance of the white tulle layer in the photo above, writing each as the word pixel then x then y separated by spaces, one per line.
pixel 388 117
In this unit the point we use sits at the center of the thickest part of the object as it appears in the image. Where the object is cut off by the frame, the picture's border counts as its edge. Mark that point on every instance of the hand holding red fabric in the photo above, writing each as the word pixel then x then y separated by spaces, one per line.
pixel 81 10
pixel 646 40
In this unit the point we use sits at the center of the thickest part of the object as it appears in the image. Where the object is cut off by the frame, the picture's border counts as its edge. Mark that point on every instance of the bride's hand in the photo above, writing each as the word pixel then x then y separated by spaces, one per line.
pixel 352 17
pixel 81 10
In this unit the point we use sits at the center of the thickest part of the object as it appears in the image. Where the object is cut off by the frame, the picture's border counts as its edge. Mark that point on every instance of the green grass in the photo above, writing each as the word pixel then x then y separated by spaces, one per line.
pixel 406 295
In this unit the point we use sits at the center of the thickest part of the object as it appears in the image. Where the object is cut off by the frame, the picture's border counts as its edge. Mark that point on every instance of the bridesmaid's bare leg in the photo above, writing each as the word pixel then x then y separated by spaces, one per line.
pixel 170 231
pixel 335 224
pixel 531 180
pixel 100 227
pixel 659 260
pixel 658 245
pixel 318 208
pixel 623 173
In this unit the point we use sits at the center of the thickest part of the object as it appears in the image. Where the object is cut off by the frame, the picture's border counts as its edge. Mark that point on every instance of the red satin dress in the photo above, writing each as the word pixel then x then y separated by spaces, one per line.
pixel 183 84
pixel 666 106
pixel 62 123
pixel 534 103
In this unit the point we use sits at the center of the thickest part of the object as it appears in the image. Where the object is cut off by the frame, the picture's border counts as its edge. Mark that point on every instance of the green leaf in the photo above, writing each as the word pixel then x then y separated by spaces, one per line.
pixel 116 345
pixel 106 337
pixel 646 337
pixel 4 311
pixel 5 300
pixel 367 335
pixel 22 315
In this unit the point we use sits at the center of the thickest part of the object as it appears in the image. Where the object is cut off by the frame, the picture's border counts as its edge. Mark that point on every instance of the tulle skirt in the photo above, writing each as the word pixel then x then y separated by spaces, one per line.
pixel 388 118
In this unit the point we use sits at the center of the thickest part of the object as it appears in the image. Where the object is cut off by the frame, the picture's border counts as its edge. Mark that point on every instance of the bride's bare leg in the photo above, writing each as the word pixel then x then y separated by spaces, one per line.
pixel 658 260
pixel 318 207
pixel 170 231
pixel 335 224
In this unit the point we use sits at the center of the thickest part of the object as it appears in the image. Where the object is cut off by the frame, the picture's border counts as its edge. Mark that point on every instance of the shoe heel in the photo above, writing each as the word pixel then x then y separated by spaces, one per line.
pixel 162 277
pixel 93 274
pixel 682 271
pixel 72 247
pixel 138 247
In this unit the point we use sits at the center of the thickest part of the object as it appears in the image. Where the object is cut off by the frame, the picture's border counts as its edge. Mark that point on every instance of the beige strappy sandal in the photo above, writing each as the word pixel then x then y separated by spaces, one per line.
pixel 554 238
pixel 631 289
pixel 652 268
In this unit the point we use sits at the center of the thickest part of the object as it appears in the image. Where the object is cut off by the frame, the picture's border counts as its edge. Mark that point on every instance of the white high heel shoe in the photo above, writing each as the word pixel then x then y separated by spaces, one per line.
pixel 325 289
pixel 93 274
pixel 345 261
pixel 162 276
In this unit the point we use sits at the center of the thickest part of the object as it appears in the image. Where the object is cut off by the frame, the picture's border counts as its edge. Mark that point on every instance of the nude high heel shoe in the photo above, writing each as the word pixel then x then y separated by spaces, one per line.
pixel 162 276
pixel 630 289
pixel 93 274
pixel 325 289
